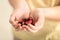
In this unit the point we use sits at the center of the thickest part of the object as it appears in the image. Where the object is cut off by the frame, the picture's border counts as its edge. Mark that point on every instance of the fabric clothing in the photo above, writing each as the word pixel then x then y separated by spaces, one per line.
pixel 42 3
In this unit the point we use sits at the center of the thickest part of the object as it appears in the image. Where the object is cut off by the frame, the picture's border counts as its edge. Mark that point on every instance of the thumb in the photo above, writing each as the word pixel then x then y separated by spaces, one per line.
pixel 38 18
pixel 40 21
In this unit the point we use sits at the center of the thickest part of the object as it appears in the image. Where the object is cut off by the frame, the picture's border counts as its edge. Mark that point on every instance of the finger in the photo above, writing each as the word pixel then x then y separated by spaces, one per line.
pixel 32 27
pixel 40 21
pixel 30 30
pixel 15 25
pixel 12 19
pixel 38 17
pixel 36 28
pixel 25 28
pixel 20 27
pixel 13 22
pixel 18 18
pixel 34 16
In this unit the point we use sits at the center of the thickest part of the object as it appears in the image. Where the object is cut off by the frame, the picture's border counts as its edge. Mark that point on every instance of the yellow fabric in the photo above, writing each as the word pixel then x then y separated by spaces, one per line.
pixel 42 3
pixel 48 26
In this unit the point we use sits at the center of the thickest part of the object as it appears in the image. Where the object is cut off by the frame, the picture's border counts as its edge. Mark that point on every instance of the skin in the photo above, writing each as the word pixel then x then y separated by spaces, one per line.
pixel 52 13
pixel 21 11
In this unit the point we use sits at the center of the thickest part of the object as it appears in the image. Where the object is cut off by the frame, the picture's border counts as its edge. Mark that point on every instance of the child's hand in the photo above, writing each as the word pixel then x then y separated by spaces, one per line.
pixel 38 20
pixel 18 14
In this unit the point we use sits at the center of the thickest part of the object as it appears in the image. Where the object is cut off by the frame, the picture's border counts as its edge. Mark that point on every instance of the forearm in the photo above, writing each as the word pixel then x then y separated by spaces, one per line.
pixel 18 4
pixel 52 13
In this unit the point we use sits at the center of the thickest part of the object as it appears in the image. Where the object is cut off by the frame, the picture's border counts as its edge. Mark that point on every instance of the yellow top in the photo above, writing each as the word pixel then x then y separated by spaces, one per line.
pixel 48 26
pixel 42 3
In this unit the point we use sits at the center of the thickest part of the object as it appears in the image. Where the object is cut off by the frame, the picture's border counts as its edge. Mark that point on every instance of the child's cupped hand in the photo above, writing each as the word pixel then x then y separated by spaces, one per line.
pixel 33 25
pixel 36 21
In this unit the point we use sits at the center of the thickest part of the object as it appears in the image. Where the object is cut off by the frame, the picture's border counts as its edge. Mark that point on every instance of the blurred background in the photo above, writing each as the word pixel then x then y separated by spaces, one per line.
pixel 50 31
pixel 5 27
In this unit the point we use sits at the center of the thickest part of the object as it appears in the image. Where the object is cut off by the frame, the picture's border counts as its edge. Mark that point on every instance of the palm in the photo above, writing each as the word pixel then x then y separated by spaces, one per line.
pixel 19 14
pixel 38 19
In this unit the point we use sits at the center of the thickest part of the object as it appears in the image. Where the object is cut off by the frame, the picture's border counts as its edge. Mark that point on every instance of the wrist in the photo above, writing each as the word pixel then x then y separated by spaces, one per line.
pixel 44 11
pixel 41 10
